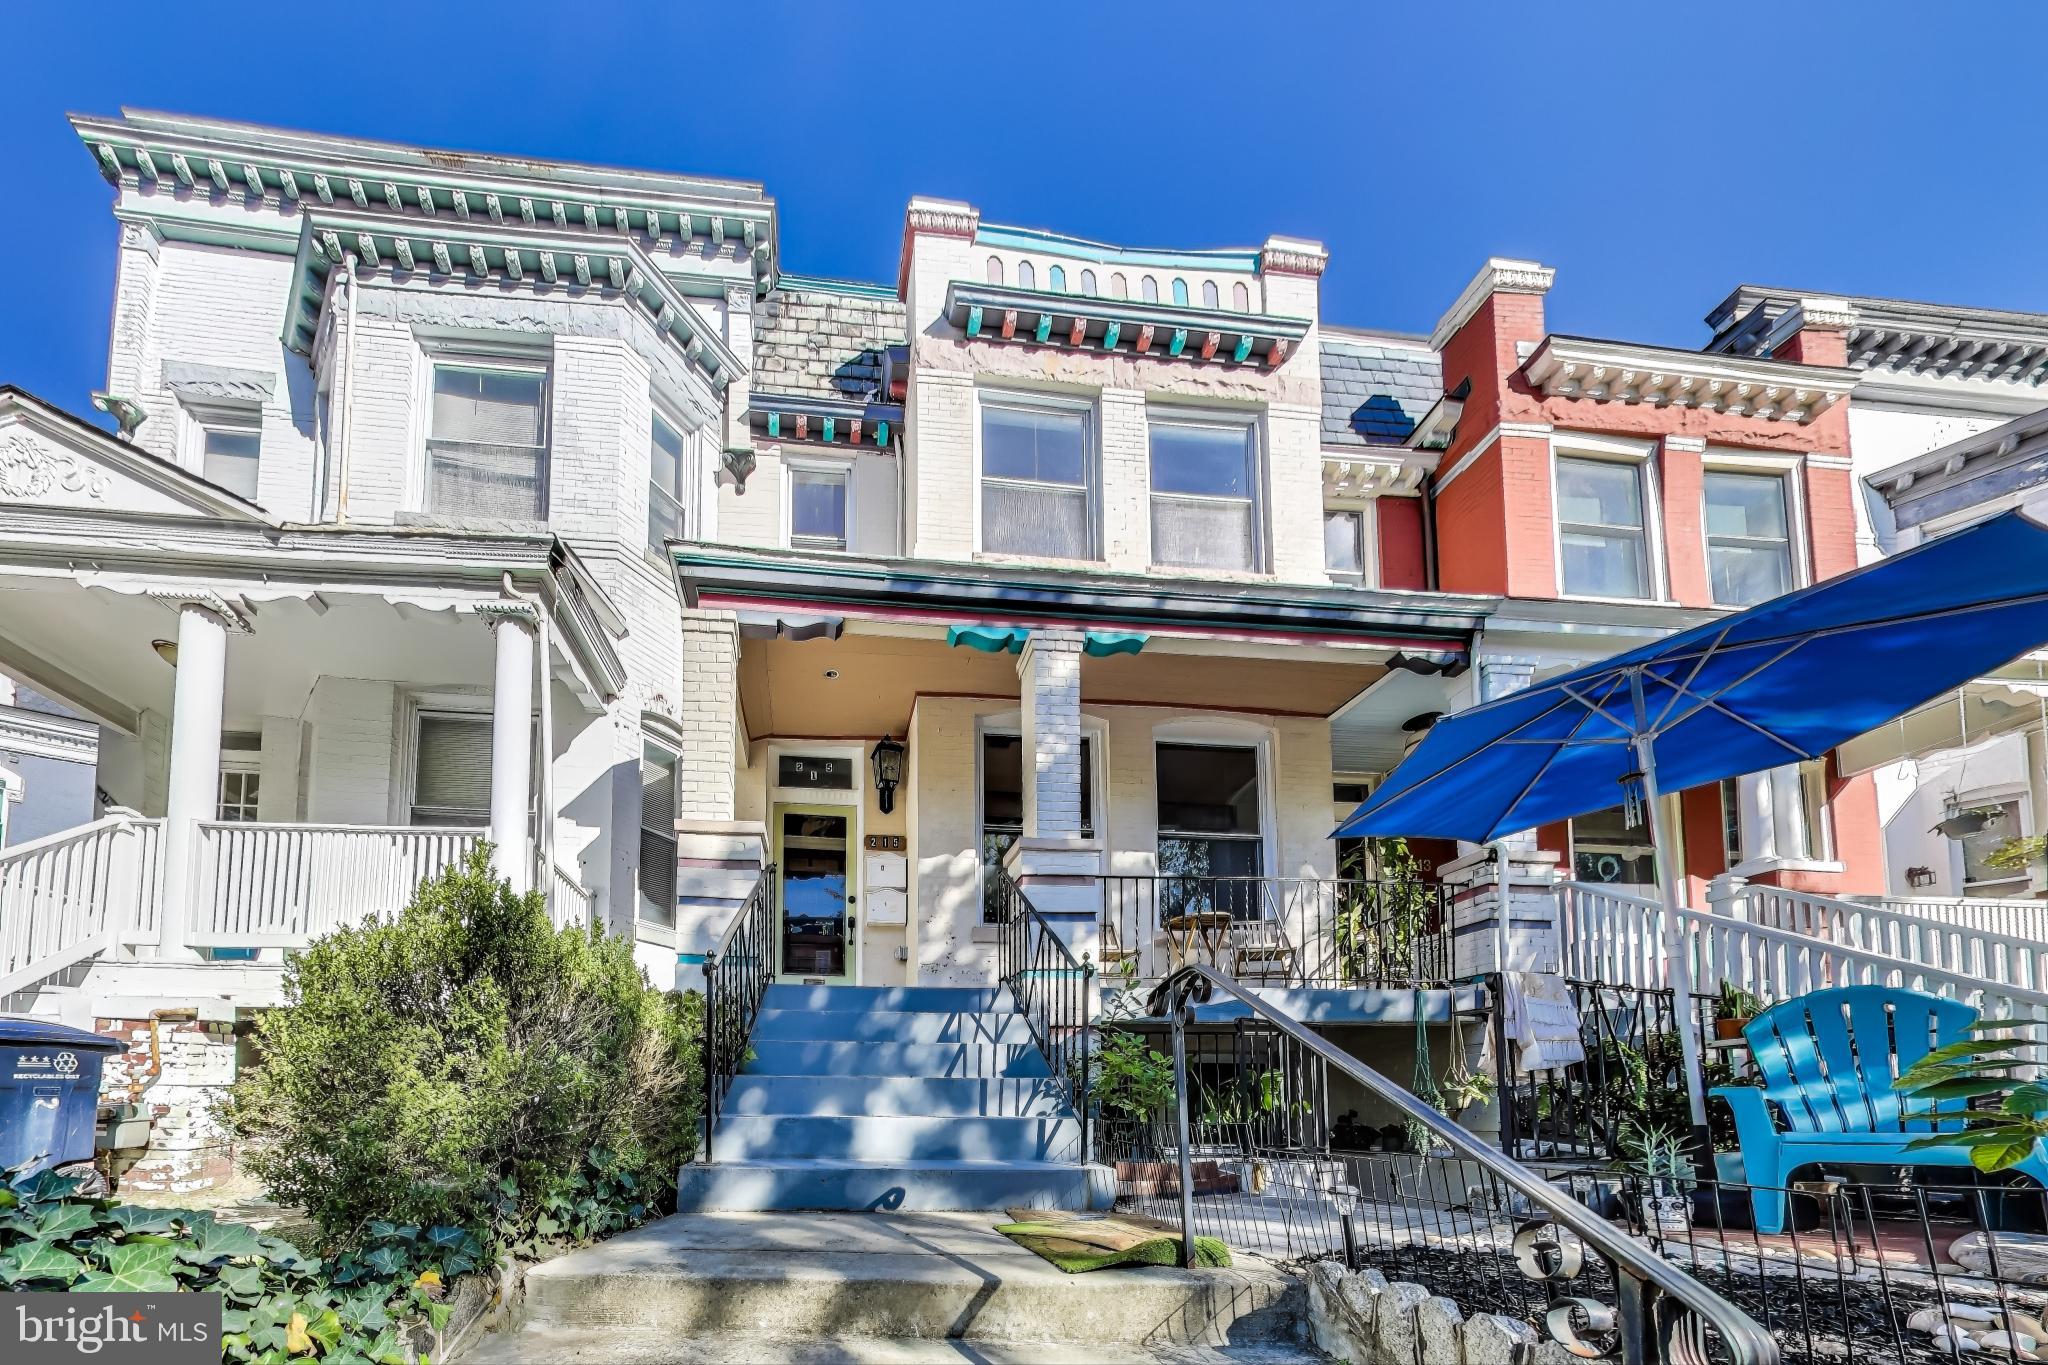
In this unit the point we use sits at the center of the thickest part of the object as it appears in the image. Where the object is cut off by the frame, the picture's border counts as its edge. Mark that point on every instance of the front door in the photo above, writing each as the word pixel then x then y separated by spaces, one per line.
pixel 814 874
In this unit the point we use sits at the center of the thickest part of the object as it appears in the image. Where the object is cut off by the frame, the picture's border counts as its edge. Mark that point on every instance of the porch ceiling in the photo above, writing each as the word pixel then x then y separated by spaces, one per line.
pixel 92 649
pixel 786 693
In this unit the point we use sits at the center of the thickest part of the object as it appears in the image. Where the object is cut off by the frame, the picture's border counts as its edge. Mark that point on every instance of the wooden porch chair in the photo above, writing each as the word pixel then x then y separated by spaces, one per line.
pixel 1259 948
pixel 1110 951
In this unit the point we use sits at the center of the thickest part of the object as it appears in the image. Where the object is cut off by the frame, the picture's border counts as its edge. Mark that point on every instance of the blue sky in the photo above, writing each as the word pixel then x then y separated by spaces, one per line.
pixel 1657 154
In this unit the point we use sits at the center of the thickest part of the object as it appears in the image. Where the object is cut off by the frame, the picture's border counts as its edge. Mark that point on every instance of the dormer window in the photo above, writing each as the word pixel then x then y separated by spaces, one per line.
pixel 231 454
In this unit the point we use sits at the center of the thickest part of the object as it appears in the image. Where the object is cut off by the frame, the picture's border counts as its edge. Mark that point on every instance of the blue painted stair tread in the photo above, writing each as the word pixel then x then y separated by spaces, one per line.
pixel 888 1098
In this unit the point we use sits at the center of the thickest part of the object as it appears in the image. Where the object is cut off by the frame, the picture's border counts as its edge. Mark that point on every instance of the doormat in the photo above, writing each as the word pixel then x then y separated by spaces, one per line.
pixel 1077 1244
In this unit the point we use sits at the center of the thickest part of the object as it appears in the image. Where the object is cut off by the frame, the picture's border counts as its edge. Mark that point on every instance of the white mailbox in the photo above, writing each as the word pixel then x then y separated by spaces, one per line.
pixel 886 872
pixel 887 907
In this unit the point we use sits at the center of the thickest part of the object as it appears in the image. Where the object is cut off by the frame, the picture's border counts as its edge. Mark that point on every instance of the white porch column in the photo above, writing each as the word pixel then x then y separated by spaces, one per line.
pixel 1058 870
pixel 512 746
pixel 193 790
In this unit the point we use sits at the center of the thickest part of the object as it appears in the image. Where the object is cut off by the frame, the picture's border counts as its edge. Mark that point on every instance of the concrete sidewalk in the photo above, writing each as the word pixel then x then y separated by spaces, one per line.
pixel 804 1287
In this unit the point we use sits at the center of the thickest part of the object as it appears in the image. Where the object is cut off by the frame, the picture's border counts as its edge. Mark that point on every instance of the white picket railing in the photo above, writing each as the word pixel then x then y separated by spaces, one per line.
pixel 572 904
pixel 1620 939
pixel 2010 959
pixel 2018 918
pixel 281 885
pixel 70 895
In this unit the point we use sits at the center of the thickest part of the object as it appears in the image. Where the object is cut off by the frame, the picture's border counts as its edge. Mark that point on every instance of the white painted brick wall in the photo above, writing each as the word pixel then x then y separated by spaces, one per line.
pixel 1050 672
pixel 351 780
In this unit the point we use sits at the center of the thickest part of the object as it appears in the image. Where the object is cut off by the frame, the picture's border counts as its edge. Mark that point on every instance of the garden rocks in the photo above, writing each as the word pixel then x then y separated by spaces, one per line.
pixel 1359 1317
pixel 2022 1256
pixel 1966 1327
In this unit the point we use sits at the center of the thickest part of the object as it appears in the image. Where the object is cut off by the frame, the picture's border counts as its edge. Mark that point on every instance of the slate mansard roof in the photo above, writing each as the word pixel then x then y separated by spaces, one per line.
pixel 1375 388
pixel 818 338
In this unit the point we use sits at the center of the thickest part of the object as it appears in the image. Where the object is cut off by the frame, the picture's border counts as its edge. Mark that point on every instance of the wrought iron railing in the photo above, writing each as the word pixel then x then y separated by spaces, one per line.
pixel 1053 990
pixel 736 976
pixel 1243 1152
pixel 1293 930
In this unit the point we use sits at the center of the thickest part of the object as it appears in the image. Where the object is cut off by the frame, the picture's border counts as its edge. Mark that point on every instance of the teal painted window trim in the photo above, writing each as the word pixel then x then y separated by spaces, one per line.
pixel 989 639
pixel 1100 644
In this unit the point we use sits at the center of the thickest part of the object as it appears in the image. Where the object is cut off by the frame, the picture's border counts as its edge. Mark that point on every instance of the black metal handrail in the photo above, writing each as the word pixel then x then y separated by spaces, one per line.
pixel 1658 1313
pixel 1054 991
pixel 736 976
pixel 1301 930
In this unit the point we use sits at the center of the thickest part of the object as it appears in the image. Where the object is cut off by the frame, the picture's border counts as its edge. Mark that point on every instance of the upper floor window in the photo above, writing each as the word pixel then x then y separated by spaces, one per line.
pixel 1240 297
pixel 1037 464
pixel 817 507
pixel 1180 291
pixel 1344 541
pixel 487 443
pixel 1088 283
pixel 1027 275
pixel 1118 288
pixel 1148 289
pixel 1749 537
pixel 1205 511
pixel 1209 296
pixel 995 270
pixel 232 455
pixel 1600 529
pixel 668 464
pixel 1056 279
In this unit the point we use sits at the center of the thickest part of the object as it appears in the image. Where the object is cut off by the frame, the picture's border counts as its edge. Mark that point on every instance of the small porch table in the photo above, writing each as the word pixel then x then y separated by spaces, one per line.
pixel 1207 929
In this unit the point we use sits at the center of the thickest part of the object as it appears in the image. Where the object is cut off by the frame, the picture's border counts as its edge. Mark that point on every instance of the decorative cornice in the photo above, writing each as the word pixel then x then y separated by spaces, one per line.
pixel 1363 474
pixel 1890 338
pixel 1827 314
pixel 519 613
pixel 43 735
pixel 1292 256
pixel 511 251
pixel 29 470
pixel 945 217
pixel 992 312
pixel 1500 275
pixel 261 164
pixel 1622 372
pixel 1692 445
pixel 233 616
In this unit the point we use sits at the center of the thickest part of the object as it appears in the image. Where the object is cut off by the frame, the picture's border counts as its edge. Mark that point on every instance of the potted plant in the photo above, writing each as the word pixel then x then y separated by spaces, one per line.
pixel 1958 823
pixel 1733 1008
pixel 1655 1161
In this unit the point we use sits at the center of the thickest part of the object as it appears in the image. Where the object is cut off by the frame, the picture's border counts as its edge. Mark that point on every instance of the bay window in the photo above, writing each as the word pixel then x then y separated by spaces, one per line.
pixel 487 442
pixel 668 472
pixel 1037 480
pixel 1205 504
pixel 1749 537
pixel 1603 543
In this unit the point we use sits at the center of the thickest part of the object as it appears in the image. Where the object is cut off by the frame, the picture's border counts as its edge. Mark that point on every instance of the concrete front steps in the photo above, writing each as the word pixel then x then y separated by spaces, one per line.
pixel 910 1288
pixel 893 1098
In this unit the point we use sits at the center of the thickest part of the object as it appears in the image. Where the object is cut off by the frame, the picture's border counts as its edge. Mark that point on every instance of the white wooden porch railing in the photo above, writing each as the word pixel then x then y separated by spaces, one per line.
pixel 2019 918
pixel 571 904
pixel 70 895
pixel 1619 939
pixel 279 885
pixel 2011 959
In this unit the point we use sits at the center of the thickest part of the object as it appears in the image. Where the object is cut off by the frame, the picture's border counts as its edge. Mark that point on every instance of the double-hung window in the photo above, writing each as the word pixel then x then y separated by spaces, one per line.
pixel 487 446
pixel 451 782
pixel 1037 480
pixel 1205 498
pixel 817 507
pixel 668 473
pixel 1600 529
pixel 1749 537
pixel 231 456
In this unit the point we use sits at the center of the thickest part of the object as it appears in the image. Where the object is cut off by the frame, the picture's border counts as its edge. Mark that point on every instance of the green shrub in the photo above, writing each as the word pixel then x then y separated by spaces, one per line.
pixel 424 1067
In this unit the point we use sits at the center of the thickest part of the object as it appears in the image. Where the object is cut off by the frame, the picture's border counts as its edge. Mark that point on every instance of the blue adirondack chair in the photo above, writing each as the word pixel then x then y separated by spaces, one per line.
pixel 1828 1060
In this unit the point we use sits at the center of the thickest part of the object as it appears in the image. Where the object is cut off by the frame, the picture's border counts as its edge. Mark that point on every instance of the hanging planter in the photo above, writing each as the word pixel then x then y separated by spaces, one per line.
pixel 1962 823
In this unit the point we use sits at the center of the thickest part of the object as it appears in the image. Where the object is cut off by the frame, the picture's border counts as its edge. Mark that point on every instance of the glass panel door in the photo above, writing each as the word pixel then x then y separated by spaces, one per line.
pixel 814 871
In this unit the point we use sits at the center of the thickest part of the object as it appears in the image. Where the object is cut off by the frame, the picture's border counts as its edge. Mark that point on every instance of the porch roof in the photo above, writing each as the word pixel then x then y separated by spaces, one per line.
pixel 1429 632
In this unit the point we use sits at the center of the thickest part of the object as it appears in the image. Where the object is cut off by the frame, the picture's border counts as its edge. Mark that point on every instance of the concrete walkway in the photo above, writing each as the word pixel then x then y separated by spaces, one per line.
pixel 806 1288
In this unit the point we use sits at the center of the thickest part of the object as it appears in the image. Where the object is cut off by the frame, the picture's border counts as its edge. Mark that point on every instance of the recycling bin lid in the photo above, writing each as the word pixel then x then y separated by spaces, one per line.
pixel 41 1033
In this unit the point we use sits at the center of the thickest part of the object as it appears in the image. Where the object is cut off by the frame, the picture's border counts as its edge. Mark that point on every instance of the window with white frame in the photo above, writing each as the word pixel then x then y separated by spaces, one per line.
pixel 1002 804
pixel 487 446
pixel 1602 536
pixel 1205 503
pixel 1749 537
pixel 1344 541
pixel 451 774
pixel 657 832
pixel 668 474
pixel 239 790
pixel 1037 479
pixel 817 506
pixel 231 451
pixel 1209 811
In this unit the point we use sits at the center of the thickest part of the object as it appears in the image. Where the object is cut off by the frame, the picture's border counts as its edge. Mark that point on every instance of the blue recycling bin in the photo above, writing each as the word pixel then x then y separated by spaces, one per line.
pixel 49 1092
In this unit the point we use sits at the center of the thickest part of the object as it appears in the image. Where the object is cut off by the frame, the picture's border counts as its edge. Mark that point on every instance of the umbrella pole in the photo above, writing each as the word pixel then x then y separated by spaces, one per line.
pixel 1677 946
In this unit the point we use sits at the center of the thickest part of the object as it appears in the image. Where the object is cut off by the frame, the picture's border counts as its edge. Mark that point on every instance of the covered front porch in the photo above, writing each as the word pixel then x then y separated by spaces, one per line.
pixel 293 733
pixel 1150 765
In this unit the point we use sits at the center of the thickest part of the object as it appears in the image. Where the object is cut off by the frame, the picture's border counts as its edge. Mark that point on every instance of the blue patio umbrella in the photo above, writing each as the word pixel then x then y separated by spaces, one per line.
pixel 1785 680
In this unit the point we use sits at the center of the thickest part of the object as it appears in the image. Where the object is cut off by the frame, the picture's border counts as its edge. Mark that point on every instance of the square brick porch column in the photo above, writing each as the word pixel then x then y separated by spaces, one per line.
pixel 719 859
pixel 1060 872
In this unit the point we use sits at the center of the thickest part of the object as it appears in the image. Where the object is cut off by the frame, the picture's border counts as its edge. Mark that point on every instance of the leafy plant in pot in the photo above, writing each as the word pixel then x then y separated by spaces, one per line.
pixel 1131 1086
pixel 1660 1176
pixel 1733 1008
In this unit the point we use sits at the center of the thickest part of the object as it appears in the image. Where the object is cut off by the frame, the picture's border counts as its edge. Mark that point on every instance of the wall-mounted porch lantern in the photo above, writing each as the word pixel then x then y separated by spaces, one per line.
pixel 888 761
